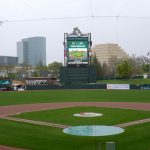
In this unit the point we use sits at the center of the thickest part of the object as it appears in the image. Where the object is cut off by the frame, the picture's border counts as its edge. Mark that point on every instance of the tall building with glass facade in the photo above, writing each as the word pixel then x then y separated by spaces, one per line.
pixel 32 51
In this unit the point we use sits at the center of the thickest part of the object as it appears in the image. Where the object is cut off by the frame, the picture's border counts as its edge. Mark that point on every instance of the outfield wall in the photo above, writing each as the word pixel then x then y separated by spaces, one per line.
pixel 91 86
pixel 51 87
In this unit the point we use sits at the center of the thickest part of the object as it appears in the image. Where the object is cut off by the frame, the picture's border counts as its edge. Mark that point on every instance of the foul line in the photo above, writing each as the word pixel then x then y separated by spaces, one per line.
pixel 37 122
pixel 122 125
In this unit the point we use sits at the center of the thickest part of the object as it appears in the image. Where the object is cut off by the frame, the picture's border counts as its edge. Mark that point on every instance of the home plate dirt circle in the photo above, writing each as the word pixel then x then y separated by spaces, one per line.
pixel 93 130
pixel 88 114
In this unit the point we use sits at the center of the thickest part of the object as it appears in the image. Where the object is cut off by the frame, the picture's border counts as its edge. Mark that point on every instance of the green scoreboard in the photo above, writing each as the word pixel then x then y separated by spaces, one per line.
pixel 77 59
pixel 77 50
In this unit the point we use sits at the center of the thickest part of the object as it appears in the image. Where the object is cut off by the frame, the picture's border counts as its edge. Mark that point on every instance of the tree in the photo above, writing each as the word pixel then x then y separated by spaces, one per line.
pixel 54 68
pixel 124 69
pixel 111 66
pixel 97 65
pixel 145 64
pixel 146 68
pixel 42 70
pixel 136 64
pixel 12 75
pixel 35 74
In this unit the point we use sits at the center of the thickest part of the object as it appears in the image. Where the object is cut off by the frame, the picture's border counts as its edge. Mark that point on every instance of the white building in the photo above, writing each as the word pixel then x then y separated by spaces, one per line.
pixel 105 51
pixel 32 51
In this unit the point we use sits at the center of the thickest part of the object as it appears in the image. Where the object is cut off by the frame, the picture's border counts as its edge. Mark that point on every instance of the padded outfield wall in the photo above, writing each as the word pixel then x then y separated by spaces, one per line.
pixel 86 86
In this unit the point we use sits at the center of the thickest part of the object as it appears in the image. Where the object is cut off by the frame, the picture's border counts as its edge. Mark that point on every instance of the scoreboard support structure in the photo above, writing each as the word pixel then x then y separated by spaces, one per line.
pixel 77 59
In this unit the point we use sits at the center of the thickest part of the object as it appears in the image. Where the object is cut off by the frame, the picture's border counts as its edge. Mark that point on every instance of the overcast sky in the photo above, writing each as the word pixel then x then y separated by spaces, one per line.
pixel 131 29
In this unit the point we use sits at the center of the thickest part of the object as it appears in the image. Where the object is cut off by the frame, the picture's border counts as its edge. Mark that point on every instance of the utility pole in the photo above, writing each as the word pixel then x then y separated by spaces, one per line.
pixel 148 55
pixel 149 66
pixel 1 22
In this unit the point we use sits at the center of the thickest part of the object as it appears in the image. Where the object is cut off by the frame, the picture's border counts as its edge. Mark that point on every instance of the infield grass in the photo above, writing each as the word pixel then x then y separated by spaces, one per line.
pixel 111 116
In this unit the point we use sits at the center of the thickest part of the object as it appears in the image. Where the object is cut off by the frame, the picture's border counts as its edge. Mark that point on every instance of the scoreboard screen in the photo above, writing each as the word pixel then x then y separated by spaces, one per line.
pixel 77 50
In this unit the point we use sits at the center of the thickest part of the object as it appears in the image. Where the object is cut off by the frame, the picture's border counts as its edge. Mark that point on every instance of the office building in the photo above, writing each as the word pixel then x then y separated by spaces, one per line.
pixel 32 51
pixel 8 61
pixel 104 52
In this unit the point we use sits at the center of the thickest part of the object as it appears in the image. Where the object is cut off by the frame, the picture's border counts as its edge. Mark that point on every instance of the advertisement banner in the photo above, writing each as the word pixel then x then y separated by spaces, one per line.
pixel 118 86
pixel 36 82
pixel 5 82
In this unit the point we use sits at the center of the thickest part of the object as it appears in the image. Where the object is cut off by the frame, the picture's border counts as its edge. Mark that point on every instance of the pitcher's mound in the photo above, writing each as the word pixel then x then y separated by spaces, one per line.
pixel 88 114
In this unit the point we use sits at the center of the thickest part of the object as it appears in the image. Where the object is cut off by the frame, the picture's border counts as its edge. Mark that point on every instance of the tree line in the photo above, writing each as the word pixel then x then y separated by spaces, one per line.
pixel 131 67
pixel 24 70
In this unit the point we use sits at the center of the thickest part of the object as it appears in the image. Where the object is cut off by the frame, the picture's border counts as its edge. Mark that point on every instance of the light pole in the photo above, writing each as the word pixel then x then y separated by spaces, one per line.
pixel 149 63
pixel 90 55
pixel 148 55
pixel 1 22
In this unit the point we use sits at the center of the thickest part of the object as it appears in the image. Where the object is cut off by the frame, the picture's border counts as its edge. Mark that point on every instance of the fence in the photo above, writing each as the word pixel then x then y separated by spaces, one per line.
pixel 87 86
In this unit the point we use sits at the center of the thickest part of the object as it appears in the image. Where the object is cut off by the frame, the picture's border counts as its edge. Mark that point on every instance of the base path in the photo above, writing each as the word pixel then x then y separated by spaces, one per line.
pixel 14 109
pixel 10 148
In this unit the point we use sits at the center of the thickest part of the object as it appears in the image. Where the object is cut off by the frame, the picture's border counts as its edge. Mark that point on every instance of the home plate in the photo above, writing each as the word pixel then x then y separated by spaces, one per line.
pixel 88 114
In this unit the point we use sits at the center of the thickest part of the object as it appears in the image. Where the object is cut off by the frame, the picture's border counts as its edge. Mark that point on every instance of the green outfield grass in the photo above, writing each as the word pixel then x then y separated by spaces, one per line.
pixel 111 116
pixel 26 97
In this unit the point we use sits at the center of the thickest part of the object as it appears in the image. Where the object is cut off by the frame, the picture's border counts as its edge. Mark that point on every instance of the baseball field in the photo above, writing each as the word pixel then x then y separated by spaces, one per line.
pixel 36 119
